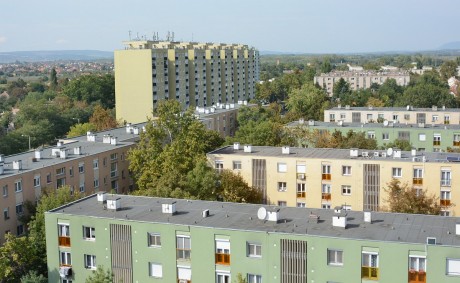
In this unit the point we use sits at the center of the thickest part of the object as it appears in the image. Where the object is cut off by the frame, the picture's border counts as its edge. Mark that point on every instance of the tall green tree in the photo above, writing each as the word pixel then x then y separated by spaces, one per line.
pixel 235 189
pixel 53 79
pixel 341 90
pixel 448 69
pixel 307 102
pixel 100 275
pixel 92 88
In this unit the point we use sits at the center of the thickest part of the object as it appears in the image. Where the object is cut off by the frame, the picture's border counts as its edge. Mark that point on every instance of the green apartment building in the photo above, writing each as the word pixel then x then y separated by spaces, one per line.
pixel 143 239
pixel 423 137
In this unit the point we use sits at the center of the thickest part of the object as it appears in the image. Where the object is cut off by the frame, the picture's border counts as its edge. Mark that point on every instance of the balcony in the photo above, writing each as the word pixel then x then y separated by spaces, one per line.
pixel 326 196
pixel 445 202
pixel 222 258
pixel 64 241
pixel 445 182
pixel 456 143
pixel 417 276
pixel 437 143
pixel 300 194
pixel 370 273
pixel 417 181
pixel 326 176
pixel 184 281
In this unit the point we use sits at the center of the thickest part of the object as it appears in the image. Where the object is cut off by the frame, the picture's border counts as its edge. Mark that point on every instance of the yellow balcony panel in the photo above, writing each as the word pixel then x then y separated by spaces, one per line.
pixel 417 181
pixel 300 194
pixel 370 273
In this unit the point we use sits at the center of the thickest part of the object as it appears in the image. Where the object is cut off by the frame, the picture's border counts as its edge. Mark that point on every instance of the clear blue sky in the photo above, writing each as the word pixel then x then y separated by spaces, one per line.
pixel 316 26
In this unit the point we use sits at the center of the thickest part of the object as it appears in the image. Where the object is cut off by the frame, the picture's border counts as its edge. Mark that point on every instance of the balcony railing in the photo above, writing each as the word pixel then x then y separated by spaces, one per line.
pixel 326 176
pixel 456 143
pixel 436 142
pixel 184 281
pixel 417 276
pixel 64 241
pixel 417 181
pixel 300 194
pixel 445 202
pixel 370 273
pixel 222 258
pixel 326 196
pixel 445 182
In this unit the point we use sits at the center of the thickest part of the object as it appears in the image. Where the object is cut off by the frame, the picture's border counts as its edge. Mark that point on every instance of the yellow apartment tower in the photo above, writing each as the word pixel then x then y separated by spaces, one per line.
pixel 195 74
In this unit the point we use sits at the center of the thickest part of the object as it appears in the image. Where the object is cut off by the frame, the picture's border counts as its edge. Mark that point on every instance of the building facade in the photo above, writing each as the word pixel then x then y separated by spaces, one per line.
pixel 143 239
pixel 360 79
pixel 87 164
pixel 397 115
pixel 195 74
pixel 328 177
pixel 423 137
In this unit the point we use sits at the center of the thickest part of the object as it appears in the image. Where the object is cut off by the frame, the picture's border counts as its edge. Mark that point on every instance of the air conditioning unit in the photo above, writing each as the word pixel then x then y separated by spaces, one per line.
pixel 301 176
pixel 365 154
pixel 376 154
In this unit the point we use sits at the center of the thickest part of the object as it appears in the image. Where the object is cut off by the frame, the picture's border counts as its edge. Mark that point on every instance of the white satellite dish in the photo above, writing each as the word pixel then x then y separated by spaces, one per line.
pixel 262 213
pixel 390 151
pixel 385 123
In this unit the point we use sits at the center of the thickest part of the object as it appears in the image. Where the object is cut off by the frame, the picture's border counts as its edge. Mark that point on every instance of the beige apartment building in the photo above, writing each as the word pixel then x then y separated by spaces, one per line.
pixel 361 79
pixel 327 178
pixel 88 164
pixel 404 115
pixel 195 74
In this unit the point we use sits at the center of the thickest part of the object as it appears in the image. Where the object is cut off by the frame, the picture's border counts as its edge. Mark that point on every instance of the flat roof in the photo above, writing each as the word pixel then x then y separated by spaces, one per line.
pixel 387 227
pixel 394 109
pixel 428 126
pixel 87 148
pixel 334 154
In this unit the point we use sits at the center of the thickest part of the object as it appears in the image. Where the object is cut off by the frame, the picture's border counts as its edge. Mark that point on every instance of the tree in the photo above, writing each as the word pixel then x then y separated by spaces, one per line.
pixel 80 129
pixel 33 277
pixel 103 119
pixel 341 89
pixel 404 199
pixel 307 102
pixel 92 88
pixel 100 275
pixel 235 189
pixel 326 66
pixel 401 144
pixel 240 279
pixel 448 69
pixel 53 79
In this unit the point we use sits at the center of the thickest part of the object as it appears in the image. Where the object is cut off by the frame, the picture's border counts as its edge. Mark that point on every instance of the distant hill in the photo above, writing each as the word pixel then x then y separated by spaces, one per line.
pixel 451 45
pixel 40 56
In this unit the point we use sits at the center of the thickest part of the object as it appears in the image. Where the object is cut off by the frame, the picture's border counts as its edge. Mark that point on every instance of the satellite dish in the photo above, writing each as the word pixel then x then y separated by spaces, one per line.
pixel 390 151
pixel 262 213
pixel 385 123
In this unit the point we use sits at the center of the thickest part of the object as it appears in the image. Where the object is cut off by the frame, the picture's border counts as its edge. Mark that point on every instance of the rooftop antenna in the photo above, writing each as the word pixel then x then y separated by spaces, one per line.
pixel 129 32
pixel 172 37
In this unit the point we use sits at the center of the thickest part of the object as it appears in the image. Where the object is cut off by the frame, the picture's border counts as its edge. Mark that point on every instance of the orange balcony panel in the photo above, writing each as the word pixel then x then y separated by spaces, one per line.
pixel 436 142
pixel 445 202
pixel 370 273
pixel 417 181
pixel 64 241
pixel 300 194
pixel 223 259
pixel 456 143
pixel 326 196
pixel 417 276
pixel 326 176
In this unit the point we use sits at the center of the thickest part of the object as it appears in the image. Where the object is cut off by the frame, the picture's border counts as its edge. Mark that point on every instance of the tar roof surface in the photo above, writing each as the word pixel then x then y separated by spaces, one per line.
pixel 387 227
pixel 331 153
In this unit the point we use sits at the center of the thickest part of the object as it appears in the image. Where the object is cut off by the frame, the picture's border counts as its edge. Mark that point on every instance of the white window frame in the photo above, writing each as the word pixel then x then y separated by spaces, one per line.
pixel 282 203
pixel 422 137
pixel 65 258
pixel 155 270
pixel 415 263
pixel 369 256
pixel 326 169
pixel 254 278
pixel 446 177
pixel 254 249
pixel 301 168
pixel 18 186
pixel 453 262
pixel 154 240
pixel 89 233
pixel 96 183
pixel 301 204
pixel 5 190
pixel 346 190
pixel 81 167
pixel 326 188
pixel 37 180
pixel 396 172
pixel 95 164
pixel 186 254
pixel 282 186
pixel 90 261
pixel 236 165
pixel 385 136
pixel 63 230
pixel 282 167
pixel 325 206
pixel 417 172
pixel 333 257
pixel 346 170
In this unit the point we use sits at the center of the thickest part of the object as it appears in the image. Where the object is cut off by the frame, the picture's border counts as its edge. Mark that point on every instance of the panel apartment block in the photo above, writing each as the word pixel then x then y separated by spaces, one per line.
pixel 144 239
pixel 195 74
pixel 87 164
pixel 327 177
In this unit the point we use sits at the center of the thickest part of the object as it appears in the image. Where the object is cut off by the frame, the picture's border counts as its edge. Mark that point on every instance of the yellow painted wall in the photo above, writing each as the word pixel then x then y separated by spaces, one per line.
pixel 133 85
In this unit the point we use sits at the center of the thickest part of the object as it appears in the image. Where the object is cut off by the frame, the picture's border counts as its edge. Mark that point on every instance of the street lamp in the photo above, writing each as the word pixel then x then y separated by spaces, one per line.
pixel 29 139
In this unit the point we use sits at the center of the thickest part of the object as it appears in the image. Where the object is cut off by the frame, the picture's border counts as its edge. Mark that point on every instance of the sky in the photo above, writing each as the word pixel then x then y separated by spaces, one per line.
pixel 306 26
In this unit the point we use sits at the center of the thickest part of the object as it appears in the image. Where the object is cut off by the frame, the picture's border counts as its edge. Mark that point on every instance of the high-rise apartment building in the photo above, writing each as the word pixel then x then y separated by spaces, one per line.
pixel 142 239
pixel 329 177
pixel 195 74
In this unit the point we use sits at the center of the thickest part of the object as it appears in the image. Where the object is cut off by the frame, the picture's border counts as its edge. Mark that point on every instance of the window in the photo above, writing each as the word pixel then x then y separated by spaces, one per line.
pixel 346 190
pixel 96 183
pixel 60 171
pixel 37 181
pixel 434 118
pixel 89 233
pixel 90 261
pixel 113 156
pixel 371 135
pixel 113 170
pixel 418 176
pixel 20 229
pixel 81 167
pixel 346 170
pixel 369 117
pixel 282 187
pixel 95 163
pixel 155 270
pixel 326 192
pixel 48 178
pixel 437 139
pixel 236 165
pixel 66 259
pixel 183 245
pixel 184 273
pixel 453 266
pixel 19 209
pixel 301 190
pixel 219 166
pixel 82 187
pixel 397 172
pixel 282 203
pixel 422 137
pixel 385 136
pixel 71 171
pixel 154 239
pixel 104 161
pixel 332 117
pixel 252 278
pixel 343 116
pixel 404 135
pixel 325 206
pixel 18 186
pixel 5 190
pixel 326 172
pixel 346 207
pixel 223 277
pixel 446 119
pixel 445 177
pixel 417 264
pixel 301 204
pixel 334 257
pixel 282 167
pixel 64 230
pixel 456 141
pixel 370 264
pixel 445 198
pixel 6 213
pixel 223 252
pixel 254 250
pixel 395 117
